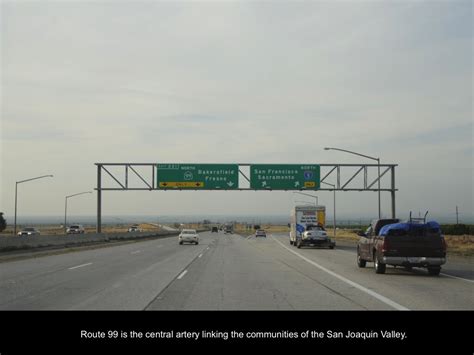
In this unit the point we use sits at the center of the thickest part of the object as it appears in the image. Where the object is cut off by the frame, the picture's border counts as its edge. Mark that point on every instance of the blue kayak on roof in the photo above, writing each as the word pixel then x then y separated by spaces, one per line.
pixel 407 228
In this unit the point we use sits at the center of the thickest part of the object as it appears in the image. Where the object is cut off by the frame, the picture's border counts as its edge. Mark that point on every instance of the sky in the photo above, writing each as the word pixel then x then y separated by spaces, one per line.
pixel 235 82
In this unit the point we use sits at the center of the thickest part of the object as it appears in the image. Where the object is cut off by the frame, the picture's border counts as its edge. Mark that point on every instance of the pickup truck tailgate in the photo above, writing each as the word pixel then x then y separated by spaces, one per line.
pixel 414 245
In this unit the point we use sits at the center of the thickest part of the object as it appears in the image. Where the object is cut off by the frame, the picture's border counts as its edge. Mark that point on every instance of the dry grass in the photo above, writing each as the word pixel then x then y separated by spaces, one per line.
pixel 460 244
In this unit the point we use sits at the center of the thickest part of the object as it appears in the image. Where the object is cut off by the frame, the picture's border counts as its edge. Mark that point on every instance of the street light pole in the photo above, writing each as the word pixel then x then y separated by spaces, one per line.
pixel 65 207
pixel 16 194
pixel 378 184
pixel 302 193
pixel 334 206
pixel 378 168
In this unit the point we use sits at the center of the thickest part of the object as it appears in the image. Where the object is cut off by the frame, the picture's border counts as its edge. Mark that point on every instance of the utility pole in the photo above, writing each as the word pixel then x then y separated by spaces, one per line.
pixel 457 215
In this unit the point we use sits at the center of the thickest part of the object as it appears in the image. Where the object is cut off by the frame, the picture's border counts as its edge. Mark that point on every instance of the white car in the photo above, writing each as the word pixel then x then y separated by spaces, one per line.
pixel 135 228
pixel 188 236
pixel 315 236
pixel 75 229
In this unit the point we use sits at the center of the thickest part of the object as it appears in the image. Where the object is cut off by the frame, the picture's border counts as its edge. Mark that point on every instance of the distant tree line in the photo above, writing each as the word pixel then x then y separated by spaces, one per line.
pixel 457 229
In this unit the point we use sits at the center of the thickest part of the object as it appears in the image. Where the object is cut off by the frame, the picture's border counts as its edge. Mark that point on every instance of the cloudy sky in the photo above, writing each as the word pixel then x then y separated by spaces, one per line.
pixel 235 81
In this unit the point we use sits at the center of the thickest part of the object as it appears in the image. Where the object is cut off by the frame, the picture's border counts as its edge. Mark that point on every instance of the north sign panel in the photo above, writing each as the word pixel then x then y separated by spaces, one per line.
pixel 284 177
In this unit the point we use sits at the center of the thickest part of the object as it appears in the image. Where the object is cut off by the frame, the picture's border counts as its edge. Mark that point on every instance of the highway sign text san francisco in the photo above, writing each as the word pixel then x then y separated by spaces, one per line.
pixel 198 176
pixel 284 177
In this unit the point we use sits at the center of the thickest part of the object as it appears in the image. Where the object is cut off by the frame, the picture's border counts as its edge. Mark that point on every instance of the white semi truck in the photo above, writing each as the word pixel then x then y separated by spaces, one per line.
pixel 307 227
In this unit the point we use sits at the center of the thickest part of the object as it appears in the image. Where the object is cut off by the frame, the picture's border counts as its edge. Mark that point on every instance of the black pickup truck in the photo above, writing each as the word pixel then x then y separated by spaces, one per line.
pixel 411 245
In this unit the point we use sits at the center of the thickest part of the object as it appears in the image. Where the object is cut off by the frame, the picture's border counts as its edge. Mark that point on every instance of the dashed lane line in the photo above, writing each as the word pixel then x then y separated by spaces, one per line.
pixel 78 266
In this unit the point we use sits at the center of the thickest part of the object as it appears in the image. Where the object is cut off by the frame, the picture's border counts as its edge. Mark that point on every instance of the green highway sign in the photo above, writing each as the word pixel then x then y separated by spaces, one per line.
pixel 197 176
pixel 284 177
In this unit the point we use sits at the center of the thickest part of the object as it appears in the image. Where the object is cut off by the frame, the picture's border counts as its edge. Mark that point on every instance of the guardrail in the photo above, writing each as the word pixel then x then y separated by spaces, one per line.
pixel 43 241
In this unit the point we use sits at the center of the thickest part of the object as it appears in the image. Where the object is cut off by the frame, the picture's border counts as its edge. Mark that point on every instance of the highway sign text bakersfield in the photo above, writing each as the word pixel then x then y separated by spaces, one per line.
pixel 198 176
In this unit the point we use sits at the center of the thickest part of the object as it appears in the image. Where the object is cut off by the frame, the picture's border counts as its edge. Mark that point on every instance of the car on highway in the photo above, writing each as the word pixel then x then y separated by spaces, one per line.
pixel 408 244
pixel 215 230
pixel 28 231
pixel 188 236
pixel 75 229
pixel 260 233
pixel 134 228
pixel 315 236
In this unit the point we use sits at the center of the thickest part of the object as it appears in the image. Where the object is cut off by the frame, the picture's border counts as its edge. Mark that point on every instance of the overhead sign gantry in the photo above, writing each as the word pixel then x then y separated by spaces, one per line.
pixel 242 176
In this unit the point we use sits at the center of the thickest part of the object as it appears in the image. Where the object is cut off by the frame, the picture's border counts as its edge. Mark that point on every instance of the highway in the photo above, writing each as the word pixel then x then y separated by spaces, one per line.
pixel 226 272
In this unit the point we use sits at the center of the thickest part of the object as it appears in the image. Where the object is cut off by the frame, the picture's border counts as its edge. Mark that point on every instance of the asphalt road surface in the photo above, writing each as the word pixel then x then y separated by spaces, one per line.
pixel 227 272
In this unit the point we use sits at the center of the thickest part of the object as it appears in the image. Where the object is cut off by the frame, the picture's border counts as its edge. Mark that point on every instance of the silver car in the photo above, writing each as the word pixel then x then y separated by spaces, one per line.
pixel 28 231
pixel 75 229
pixel 188 236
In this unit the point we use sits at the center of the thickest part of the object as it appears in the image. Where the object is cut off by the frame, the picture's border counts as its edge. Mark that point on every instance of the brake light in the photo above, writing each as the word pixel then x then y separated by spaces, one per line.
pixel 445 246
pixel 385 246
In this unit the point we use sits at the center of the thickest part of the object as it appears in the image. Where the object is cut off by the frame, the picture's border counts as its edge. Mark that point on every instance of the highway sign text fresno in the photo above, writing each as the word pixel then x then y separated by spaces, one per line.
pixel 284 177
pixel 198 176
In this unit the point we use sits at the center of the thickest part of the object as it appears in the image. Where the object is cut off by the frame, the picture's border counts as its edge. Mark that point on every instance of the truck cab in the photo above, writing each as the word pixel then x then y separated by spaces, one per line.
pixel 370 237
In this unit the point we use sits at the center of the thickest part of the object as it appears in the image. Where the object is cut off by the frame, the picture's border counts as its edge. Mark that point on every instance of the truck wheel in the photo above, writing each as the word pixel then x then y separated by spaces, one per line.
pixel 434 271
pixel 379 267
pixel 331 247
pixel 291 242
pixel 360 262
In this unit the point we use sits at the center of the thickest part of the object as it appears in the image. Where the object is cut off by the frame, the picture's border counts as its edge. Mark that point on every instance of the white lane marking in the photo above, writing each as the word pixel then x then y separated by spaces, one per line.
pixel 136 252
pixel 182 274
pixel 456 277
pixel 249 236
pixel 207 248
pixel 78 266
pixel 352 283
pixel 200 255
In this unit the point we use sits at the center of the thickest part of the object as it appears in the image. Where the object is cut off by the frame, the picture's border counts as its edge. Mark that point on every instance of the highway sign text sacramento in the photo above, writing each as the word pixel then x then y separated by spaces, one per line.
pixel 198 176
pixel 284 177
